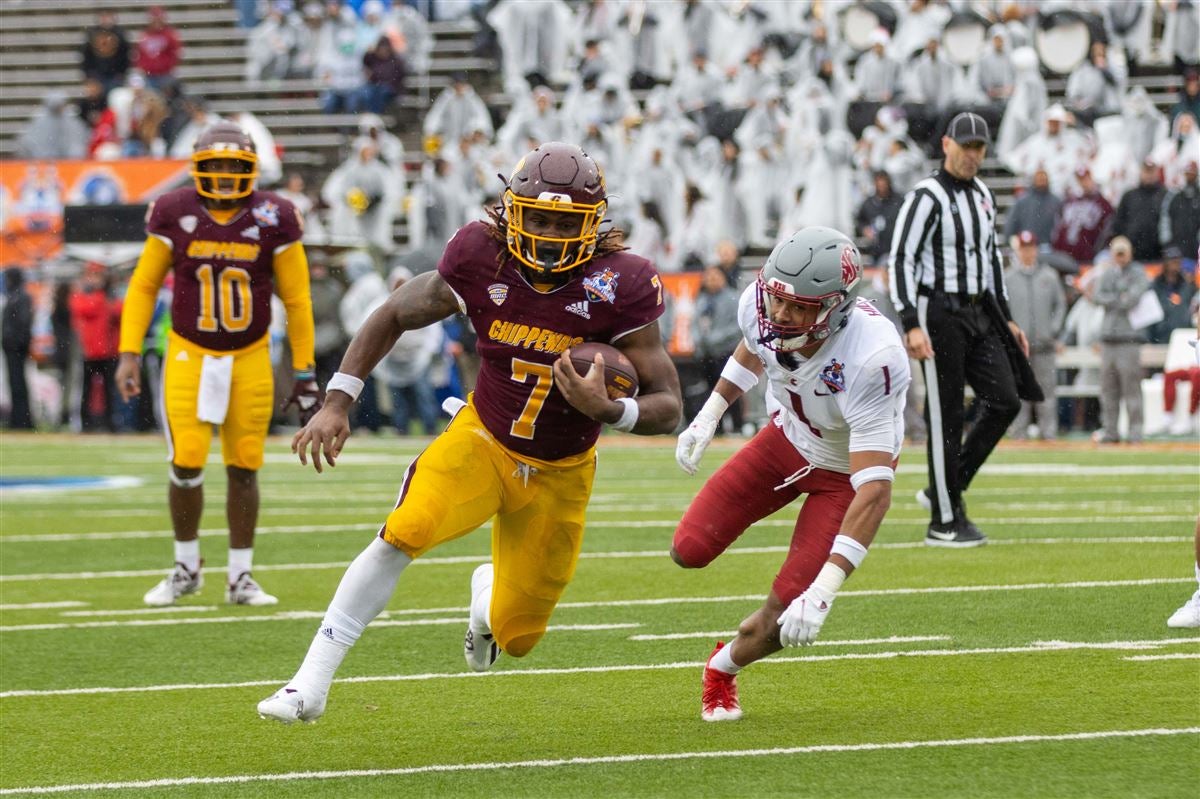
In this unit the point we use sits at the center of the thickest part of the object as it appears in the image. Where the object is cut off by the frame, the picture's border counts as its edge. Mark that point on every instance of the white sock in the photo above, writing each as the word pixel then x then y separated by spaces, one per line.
pixel 240 562
pixel 723 660
pixel 365 589
pixel 188 553
pixel 481 608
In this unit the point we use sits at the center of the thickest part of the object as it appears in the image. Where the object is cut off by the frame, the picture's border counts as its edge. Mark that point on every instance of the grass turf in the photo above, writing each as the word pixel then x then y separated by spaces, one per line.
pixel 1089 546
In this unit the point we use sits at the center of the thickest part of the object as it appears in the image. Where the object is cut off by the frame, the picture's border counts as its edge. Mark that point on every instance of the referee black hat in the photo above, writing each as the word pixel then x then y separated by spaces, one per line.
pixel 968 128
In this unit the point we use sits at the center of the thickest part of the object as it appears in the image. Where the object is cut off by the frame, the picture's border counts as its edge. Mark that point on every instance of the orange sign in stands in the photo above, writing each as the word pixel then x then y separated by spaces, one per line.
pixel 33 193
pixel 682 288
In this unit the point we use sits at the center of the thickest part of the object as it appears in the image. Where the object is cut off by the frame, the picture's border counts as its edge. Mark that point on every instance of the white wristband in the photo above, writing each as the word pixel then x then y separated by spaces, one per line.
pixel 739 375
pixel 715 406
pixel 849 549
pixel 347 384
pixel 629 415
pixel 871 474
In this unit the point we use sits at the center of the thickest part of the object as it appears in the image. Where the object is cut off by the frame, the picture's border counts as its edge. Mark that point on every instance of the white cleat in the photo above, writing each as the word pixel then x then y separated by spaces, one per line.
pixel 1188 616
pixel 244 591
pixel 179 582
pixel 479 646
pixel 289 704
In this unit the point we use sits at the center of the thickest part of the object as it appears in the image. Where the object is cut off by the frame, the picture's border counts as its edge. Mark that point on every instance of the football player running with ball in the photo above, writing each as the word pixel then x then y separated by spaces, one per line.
pixel 535 279
pixel 229 246
pixel 836 374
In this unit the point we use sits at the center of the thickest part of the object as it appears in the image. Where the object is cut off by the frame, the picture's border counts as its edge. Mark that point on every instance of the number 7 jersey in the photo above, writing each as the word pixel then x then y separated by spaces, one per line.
pixel 522 332
pixel 224 273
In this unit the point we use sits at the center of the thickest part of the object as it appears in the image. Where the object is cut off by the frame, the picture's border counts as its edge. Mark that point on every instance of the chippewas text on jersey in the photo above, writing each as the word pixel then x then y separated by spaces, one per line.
pixel 523 331
pixel 536 338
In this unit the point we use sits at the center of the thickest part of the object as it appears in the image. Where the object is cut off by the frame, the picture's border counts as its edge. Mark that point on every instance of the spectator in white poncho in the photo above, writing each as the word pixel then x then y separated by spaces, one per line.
pixel 405 370
pixel 1026 106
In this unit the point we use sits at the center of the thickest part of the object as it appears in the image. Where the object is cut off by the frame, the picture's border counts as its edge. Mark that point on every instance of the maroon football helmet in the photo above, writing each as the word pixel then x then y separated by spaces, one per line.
pixel 558 178
pixel 224 142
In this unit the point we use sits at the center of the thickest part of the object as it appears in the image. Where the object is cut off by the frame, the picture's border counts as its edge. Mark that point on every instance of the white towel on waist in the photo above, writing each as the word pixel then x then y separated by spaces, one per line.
pixel 216 378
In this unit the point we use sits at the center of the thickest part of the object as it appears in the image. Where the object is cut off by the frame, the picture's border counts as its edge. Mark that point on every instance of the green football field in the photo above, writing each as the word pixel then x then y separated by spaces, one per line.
pixel 1038 666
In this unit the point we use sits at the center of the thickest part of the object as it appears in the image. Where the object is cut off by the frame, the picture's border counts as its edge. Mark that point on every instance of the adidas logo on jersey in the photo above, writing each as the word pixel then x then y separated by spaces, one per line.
pixel 580 309
pixel 250 233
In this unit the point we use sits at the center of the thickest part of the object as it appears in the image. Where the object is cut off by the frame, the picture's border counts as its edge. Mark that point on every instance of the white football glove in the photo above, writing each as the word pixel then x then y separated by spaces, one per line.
pixel 802 620
pixel 694 440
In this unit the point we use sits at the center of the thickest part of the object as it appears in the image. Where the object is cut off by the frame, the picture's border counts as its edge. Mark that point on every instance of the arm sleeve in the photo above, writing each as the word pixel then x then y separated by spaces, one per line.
pixel 147 278
pixel 291 280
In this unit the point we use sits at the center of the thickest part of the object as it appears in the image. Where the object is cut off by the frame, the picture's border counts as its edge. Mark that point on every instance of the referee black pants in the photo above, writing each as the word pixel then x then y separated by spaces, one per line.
pixel 967 348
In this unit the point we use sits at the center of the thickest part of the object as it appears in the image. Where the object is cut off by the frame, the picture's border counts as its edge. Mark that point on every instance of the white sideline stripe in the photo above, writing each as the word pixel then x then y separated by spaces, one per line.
pixel 1174 656
pixel 293 615
pixel 646 757
pixel 140 611
pixel 384 620
pixel 640 553
pixel 43 605
pixel 288 616
pixel 1037 647
pixel 891 639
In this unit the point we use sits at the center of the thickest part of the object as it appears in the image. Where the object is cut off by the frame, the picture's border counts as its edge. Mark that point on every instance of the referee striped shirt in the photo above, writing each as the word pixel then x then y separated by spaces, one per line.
pixel 945 243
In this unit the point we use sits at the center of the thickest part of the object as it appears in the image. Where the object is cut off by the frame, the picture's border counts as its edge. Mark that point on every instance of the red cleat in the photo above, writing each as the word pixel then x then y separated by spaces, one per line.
pixel 719 701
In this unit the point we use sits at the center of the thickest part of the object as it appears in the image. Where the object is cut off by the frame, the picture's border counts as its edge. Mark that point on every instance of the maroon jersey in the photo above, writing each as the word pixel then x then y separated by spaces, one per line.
pixel 224 274
pixel 523 331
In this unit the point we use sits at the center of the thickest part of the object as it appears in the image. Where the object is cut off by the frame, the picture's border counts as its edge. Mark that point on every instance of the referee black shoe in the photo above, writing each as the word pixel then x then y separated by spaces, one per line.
pixel 957 534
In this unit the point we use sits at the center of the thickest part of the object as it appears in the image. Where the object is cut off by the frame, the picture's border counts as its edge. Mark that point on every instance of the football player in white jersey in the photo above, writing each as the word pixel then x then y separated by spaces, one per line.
pixel 837 374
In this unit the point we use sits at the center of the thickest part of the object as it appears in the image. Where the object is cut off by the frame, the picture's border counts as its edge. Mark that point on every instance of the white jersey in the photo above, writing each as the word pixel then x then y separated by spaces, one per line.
pixel 849 397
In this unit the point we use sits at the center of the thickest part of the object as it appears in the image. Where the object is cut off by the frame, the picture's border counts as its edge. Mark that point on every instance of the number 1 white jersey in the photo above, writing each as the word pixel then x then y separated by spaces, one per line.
pixel 848 397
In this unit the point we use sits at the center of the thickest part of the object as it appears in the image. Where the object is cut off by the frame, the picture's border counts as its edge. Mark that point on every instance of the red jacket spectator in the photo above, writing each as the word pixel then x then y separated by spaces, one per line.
pixel 96 317
pixel 159 49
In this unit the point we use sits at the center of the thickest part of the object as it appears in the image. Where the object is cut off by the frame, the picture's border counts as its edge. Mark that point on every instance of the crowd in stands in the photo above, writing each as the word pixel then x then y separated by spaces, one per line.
pixel 719 125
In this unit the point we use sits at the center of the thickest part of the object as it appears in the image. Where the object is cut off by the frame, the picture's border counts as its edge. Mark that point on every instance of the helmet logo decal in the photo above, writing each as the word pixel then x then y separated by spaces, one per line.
pixel 266 214
pixel 834 377
pixel 498 293
pixel 554 197
pixel 850 271
pixel 602 286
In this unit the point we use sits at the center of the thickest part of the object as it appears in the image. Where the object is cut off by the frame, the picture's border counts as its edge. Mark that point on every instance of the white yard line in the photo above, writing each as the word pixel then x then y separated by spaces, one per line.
pixel 1036 647
pixel 1174 656
pixel 571 762
pixel 140 611
pixel 294 529
pixel 43 605
pixel 726 634
pixel 293 615
pixel 305 614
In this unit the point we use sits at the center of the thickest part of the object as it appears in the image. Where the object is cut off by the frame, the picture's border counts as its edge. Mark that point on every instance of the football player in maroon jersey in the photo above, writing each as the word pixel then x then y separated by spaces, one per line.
pixel 536 279
pixel 229 246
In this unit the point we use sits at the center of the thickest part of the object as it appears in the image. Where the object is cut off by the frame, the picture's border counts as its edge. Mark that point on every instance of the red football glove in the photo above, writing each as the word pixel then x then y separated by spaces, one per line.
pixel 306 395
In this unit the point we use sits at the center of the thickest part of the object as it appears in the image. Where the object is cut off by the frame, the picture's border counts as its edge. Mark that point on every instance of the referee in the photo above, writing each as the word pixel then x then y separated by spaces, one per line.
pixel 947 283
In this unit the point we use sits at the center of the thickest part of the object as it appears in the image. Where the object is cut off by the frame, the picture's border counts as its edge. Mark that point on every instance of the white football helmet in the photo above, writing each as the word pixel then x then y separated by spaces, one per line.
pixel 816 266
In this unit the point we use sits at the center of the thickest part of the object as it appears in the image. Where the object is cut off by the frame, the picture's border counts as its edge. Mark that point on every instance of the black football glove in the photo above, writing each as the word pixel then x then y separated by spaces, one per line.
pixel 306 395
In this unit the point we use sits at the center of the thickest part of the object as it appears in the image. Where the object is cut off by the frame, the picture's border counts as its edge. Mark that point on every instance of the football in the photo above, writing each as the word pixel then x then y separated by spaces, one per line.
pixel 619 375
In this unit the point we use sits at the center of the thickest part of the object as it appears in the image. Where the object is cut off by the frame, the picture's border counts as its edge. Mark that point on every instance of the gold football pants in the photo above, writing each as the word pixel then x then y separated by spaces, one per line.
pixel 466 477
